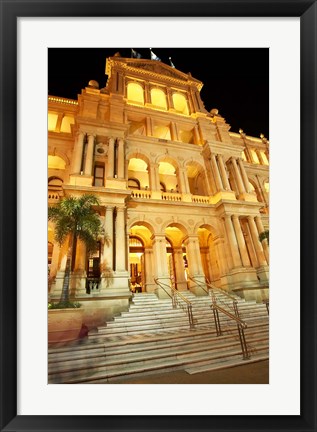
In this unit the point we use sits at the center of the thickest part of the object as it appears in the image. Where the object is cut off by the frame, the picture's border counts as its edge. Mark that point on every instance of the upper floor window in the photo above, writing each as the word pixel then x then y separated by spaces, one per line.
pixel 255 156
pixel 264 158
pixel 158 98
pixel 52 120
pixel 56 162
pixel 180 103
pixel 99 175
pixel 135 93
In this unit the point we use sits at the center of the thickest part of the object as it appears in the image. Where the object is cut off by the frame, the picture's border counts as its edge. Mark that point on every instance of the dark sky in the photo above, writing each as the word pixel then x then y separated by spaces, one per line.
pixel 236 80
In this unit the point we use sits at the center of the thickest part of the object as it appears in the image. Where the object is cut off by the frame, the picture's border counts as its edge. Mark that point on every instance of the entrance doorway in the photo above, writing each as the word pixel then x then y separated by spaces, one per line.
pixel 137 267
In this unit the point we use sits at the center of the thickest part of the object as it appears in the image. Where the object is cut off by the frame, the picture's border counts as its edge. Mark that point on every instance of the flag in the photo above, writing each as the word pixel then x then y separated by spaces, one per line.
pixel 153 56
pixel 172 64
pixel 135 54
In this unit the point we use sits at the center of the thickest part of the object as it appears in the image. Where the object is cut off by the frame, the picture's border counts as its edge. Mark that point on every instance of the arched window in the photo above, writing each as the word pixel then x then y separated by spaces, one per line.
pixel 56 162
pixel 135 93
pixel 158 98
pixel 180 103
pixel 55 182
pixel 133 183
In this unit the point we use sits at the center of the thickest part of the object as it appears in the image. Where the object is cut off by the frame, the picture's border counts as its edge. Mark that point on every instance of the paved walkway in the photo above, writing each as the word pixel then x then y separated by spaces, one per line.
pixel 252 373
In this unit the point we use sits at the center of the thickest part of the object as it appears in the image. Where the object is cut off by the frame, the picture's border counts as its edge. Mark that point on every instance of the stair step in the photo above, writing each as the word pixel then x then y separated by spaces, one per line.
pixel 153 337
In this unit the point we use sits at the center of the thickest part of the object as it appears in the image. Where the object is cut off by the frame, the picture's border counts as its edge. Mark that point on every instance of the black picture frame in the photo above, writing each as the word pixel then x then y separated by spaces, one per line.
pixel 10 11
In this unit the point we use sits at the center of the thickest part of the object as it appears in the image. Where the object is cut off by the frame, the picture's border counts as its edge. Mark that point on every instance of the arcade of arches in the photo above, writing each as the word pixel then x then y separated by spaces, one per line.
pixel 181 196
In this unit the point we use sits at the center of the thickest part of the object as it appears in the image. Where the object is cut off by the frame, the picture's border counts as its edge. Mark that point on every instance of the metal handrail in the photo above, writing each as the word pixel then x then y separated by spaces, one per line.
pixel 241 325
pixel 175 295
pixel 208 283
pixel 212 288
pixel 238 320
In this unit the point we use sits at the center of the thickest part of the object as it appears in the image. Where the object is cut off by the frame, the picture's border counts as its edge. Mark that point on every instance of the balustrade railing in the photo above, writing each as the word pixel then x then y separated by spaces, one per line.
pixel 200 199
pixel 168 196
pixel 53 196
pixel 171 196
pixel 143 194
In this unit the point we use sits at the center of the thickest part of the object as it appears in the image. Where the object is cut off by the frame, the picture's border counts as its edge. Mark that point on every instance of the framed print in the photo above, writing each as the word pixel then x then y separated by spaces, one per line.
pixel 288 30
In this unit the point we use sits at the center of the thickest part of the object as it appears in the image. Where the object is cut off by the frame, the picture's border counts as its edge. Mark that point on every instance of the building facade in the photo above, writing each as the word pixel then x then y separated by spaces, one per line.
pixel 183 199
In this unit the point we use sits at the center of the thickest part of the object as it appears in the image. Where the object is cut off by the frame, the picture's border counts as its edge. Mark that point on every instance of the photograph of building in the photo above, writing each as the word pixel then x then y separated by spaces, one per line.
pixel 183 261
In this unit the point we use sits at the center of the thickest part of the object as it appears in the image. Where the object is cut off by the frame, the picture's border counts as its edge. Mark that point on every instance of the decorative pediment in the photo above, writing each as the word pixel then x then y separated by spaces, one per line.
pixel 159 68
pixel 151 68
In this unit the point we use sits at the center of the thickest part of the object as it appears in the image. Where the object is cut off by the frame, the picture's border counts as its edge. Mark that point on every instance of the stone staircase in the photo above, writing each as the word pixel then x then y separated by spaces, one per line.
pixel 152 337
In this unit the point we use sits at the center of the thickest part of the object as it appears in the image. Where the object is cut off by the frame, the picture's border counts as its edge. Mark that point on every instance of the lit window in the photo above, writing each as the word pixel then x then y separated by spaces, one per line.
pixel 66 124
pixel 52 120
pixel 180 103
pixel 255 157
pixel 56 162
pixel 162 132
pixel 135 93
pixel 158 98
pixel 264 157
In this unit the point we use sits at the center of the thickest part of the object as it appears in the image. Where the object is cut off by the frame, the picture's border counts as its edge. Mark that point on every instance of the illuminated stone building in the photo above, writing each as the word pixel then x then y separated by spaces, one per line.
pixel 182 197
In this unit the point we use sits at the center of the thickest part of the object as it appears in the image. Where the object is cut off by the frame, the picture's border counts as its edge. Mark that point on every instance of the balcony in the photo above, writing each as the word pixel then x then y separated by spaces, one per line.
pixel 171 197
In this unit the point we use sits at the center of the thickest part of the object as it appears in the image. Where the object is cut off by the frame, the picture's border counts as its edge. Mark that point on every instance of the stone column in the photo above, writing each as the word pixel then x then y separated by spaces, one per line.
pixel 149 129
pixel 154 177
pixel 241 242
pixel 170 104
pixel 120 240
pixel 181 283
pixel 79 274
pixel 174 134
pixel 121 158
pixel 110 167
pixel 147 94
pixel 148 270
pixel 78 153
pixel 256 241
pixel 80 261
pixel 160 261
pixel 237 174
pixel 232 242
pixel 183 180
pixel 216 172
pixel 223 171
pixel 89 155
pixel 108 248
pixel 196 135
pixel 265 245
pixel 59 122
pixel 244 175
pixel 195 265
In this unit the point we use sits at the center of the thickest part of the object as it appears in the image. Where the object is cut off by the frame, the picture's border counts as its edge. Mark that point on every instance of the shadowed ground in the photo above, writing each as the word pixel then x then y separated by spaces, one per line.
pixel 253 373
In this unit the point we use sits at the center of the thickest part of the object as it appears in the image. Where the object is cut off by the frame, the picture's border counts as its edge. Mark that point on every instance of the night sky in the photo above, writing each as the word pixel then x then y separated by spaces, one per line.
pixel 236 80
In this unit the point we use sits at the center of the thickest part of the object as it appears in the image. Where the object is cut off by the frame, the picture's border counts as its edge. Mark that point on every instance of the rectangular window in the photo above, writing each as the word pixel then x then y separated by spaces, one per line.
pixel 99 175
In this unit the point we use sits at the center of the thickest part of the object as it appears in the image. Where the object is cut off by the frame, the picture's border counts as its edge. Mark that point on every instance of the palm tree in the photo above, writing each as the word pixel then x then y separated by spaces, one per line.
pixel 77 219
pixel 265 235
